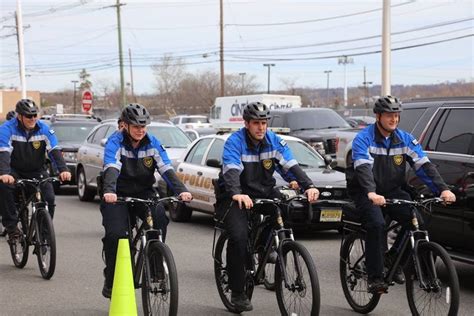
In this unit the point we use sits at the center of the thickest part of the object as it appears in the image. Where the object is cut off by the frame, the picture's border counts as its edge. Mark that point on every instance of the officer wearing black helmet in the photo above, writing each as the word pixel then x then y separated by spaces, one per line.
pixel 380 153
pixel 130 160
pixel 250 157
pixel 23 144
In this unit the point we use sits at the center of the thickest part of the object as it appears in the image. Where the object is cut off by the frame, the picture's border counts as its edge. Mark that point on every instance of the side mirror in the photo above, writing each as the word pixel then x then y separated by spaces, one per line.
pixel 192 134
pixel 103 141
pixel 329 161
pixel 215 163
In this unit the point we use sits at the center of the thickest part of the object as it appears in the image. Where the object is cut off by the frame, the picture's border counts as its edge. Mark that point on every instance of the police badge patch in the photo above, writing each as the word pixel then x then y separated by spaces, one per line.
pixel 36 144
pixel 398 159
pixel 148 162
pixel 267 164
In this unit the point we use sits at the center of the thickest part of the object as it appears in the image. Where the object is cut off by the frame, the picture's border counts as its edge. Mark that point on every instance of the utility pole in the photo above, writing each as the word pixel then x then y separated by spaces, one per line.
pixel 21 48
pixel 74 96
pixel 345 60
pixel 386 49
pixel 242 75
pixel 122 80
pixel 366 86
pixel 131 74
pixel 327 72
pixel 221 48
pixel 268 86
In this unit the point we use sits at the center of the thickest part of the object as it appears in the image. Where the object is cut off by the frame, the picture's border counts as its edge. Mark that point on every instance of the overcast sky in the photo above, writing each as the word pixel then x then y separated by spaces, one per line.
pixel 433 39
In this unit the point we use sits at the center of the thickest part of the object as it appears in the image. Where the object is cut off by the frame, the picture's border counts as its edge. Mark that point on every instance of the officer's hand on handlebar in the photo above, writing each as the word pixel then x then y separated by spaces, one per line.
pixel 293 185
pixel 65 176
pixel 448 197
pixel 376 199
pixel 312 194
pixel 186 196
pixel 243 199
pixel 7 179
pixel 110 197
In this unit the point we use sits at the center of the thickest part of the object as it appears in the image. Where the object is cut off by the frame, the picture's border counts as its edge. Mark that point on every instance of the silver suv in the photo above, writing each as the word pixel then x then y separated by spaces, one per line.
pixel 91 154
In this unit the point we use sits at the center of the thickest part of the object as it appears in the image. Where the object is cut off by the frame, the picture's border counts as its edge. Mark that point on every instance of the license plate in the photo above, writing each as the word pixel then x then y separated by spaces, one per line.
pixel 330 215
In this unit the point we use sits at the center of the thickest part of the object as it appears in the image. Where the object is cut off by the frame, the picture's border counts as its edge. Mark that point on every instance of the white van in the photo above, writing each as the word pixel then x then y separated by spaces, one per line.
pixel 227 111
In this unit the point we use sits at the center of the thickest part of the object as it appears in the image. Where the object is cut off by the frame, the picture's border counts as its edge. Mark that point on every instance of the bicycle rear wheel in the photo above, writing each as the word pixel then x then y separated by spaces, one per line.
pixel 222 276
pixel 19 247
pixel 353 275
pixel 45 247
pixel 301 296
pixel 440 295
pixel 159 281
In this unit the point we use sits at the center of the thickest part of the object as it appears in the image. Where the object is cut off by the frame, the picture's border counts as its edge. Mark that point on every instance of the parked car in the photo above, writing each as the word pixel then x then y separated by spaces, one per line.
pixel 445 130
pixel 360 121
pixel 91 153
pixel 71 130
pixel 316 126
pixel 190 121
pixel 197 168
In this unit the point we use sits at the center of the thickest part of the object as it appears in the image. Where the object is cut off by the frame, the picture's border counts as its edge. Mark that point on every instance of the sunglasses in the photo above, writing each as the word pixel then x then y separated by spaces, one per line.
pixel 30 116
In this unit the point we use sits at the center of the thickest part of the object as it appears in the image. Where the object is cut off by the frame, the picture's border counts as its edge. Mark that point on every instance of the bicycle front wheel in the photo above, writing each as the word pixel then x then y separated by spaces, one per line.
pixel 159 281
pixel 45 247
pixel 19 246
pixel 353 275
pixel 300 296
pixel 439 295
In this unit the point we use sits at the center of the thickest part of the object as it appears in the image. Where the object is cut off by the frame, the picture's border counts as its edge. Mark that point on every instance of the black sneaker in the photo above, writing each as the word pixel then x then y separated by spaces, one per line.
pixel 389 260
pixel 3 233
pixel 377 286
pixel 106 291
pixel 241 302
pixel 14 233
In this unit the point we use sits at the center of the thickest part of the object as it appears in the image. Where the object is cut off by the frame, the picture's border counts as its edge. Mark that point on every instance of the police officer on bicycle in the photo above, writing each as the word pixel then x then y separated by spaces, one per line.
pixel 130 160
pixel 24 142
pixel 380 153
pixel 250 157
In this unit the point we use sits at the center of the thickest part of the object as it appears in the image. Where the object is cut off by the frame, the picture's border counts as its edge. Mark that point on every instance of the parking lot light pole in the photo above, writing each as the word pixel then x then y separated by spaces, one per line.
pixel 268 86
pixel 327 72
pixel 74 96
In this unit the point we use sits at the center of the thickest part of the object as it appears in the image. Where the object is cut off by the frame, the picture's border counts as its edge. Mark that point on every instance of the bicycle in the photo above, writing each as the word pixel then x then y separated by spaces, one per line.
pixel 432 285
pixel 296 280
pixel 152 261
pixel 36 228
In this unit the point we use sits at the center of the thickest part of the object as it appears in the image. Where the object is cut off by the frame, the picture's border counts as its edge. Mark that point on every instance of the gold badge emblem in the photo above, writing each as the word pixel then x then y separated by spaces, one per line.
pixel 398 159
pixel 148 162
pixel 267 164
pixel 36 144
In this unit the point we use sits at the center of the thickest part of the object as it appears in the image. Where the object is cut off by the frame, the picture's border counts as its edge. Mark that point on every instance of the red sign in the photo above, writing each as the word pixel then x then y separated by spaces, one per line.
pixel 86 101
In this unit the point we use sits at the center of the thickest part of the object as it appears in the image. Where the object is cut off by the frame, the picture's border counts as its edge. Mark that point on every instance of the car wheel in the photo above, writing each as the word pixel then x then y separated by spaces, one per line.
pixel 180 212
pixel 84 192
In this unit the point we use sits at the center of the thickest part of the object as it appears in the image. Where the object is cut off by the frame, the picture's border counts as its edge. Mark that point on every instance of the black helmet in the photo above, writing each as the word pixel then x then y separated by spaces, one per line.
pixel 136 114
pixel 256 111
pixel 26 107
pixel 10 115
pixel 387 104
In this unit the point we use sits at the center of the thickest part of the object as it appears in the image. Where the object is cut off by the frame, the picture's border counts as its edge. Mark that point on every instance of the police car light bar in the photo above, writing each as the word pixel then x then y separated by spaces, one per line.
pixel 278 130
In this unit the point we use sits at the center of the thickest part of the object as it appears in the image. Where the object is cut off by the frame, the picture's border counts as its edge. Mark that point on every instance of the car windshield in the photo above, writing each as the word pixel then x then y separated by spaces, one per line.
pixel 72 132
pixel 315 120
pixel 305 156
pixel 202 119
pixel 170 136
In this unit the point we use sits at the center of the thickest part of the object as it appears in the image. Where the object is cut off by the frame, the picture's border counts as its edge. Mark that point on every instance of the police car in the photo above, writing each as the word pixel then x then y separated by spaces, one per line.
pixel 199 165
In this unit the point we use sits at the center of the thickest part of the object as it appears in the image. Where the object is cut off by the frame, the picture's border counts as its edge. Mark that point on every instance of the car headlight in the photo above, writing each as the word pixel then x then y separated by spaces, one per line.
pixel 70 156
pixel 319 146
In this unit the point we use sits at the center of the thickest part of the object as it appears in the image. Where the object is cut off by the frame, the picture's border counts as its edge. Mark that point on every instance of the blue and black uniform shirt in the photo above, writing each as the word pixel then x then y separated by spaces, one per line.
pixel 380 163
pixel 25 152
pixel 130 171
pixel 248 168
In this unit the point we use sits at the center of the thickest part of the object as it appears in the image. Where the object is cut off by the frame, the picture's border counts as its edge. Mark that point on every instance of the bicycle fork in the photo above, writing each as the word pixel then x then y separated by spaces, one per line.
pixel 424 266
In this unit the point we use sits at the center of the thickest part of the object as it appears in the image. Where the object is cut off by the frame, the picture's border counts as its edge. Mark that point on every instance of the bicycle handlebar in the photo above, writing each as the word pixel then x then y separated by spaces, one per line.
pixel 415 203
pixel 127 199
pixel 35 181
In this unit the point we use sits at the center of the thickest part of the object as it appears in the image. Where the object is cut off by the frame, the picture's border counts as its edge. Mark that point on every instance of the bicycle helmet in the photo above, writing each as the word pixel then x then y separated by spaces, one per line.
pixel 136 114
pixel 256 111
pixel 10 115
pixel 26 107
pixel 387 104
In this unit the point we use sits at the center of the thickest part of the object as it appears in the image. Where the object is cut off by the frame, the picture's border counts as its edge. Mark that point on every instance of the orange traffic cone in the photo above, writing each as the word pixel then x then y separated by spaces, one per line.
pixel 123 290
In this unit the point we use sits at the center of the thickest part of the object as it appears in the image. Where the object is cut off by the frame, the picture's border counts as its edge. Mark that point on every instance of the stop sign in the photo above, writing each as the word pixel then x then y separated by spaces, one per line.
pixel 86 101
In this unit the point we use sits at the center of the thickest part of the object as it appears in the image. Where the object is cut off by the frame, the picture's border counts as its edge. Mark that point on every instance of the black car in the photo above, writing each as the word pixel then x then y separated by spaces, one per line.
pixel 71 131
pixel 316 126
pixel 445 129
